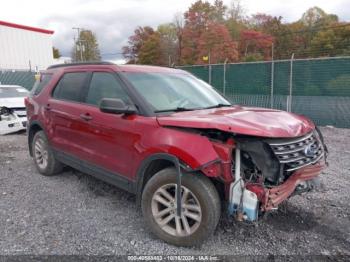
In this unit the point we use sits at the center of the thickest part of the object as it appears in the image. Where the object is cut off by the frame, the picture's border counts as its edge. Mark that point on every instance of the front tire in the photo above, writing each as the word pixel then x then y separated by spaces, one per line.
pixel 201 208
pixel 43 156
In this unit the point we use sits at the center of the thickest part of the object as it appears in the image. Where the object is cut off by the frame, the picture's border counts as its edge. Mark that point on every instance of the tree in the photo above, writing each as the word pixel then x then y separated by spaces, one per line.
pixel 179 24
pixel 283 38
pixel 168 45
pixel 315 16
pixel 226 32
pixel 235 27
pixel 205 32
pixel 149 53
pixel 56 52
pixel 331 42
pixel 218 11
pixel 217 41
pixel 235 21
pixel 312 16
pixel 135 42
pixel 323 43
pixel 86 47
pixel 236 11
pixel 255 44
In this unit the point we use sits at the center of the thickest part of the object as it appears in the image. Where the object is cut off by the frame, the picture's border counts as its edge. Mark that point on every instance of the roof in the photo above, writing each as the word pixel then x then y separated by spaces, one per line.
pixel 120 68
pixel 28 28
pixel 147 68
pixel 80 64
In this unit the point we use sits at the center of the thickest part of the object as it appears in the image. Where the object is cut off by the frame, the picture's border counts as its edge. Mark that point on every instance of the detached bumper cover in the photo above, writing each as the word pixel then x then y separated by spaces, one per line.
pixel 276 195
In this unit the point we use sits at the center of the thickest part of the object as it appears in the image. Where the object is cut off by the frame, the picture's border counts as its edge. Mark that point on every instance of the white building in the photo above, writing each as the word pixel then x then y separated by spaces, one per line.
pixel 25 47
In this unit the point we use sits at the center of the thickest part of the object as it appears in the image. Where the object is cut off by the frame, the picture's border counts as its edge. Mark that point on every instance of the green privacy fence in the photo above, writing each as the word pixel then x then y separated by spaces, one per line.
pixel 318 88
pixel 22 78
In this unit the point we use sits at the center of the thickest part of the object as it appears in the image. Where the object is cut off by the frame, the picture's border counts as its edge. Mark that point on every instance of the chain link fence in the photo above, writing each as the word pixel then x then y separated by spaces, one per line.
pixel 318 88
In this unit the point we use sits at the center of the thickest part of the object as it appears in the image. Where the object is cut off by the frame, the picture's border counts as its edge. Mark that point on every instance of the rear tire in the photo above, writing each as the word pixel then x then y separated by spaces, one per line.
pixel 43 156
pixel 200 205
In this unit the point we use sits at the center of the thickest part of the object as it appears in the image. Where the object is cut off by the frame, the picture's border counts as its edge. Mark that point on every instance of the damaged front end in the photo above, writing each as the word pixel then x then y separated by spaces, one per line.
pixel 11 121
pixel 260 173
pixel 268 171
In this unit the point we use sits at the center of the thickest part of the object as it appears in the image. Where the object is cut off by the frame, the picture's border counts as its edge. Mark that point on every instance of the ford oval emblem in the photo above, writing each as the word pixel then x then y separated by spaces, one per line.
pixel 310 151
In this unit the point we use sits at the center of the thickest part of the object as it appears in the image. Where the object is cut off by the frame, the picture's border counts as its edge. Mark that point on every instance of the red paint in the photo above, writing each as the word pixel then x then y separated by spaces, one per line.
pixel 24 27
pixel 243 120
pixel 224 152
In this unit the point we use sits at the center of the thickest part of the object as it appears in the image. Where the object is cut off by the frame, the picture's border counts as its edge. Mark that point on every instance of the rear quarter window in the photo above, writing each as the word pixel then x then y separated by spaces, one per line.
pixel 41 83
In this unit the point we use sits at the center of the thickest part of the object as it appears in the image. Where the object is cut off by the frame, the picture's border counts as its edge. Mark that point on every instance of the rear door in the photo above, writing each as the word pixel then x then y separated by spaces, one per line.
pixel 66 125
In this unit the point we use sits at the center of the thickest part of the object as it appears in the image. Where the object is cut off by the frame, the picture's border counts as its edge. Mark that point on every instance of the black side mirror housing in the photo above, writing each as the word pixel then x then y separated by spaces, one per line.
pixel 116 106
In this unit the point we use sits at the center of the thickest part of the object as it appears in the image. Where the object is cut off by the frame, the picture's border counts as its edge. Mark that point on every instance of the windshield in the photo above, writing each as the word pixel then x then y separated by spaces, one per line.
pixel 13 91
pixel 175 92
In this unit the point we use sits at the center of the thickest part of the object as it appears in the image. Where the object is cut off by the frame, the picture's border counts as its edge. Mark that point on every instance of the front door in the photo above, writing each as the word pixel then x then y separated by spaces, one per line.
pixel 111 136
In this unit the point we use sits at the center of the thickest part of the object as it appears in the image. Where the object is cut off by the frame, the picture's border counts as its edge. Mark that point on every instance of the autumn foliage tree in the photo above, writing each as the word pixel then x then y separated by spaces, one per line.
pixel 136 42
pixel 216 42
pixel 226 33
pixel 205 33
pixel 254 44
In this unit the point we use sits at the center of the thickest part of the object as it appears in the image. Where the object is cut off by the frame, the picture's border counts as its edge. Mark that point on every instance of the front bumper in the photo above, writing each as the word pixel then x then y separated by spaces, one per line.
pixel 12 123
pixel 274 196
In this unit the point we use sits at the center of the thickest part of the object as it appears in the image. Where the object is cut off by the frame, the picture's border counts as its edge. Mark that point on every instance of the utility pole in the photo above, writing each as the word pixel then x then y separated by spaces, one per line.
pixel 78 43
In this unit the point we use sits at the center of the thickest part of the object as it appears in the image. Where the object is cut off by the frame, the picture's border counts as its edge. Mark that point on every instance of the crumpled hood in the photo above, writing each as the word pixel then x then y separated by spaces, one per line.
pixel 242 120
pixel 12 102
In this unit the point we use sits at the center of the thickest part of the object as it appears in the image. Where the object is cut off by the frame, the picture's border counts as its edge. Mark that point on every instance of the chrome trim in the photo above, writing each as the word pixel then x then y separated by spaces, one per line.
pixel 309 163
pixel 292 141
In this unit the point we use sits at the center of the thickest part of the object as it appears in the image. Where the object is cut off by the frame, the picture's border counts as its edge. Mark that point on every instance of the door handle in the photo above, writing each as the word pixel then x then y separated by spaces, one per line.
pixel 86 117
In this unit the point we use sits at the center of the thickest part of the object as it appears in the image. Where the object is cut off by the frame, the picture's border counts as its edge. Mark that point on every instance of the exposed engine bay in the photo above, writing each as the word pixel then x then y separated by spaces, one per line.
pixel 267 171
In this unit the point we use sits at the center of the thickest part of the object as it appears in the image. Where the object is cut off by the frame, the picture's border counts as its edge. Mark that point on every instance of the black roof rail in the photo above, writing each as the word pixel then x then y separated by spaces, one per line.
pixel 80 63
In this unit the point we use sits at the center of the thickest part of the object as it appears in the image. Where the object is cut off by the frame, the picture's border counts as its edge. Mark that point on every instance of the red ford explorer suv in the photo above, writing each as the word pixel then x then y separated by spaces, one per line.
pixel 171 139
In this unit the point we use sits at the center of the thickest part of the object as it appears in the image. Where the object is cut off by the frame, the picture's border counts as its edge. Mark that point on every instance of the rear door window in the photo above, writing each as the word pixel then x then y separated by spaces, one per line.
pixel 71 86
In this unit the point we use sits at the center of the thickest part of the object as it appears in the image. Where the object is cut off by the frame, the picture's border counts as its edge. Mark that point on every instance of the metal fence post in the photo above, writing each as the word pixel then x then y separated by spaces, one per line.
pixel 209 69
pixel 224 86
pixel 272 76
pixel 289 98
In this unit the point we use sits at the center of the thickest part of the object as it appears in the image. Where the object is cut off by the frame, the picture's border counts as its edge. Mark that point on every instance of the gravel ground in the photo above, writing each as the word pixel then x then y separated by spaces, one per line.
pixel 73 213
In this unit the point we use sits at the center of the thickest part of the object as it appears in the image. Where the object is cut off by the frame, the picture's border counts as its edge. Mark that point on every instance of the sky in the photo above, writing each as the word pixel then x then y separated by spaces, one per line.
pixel 114 21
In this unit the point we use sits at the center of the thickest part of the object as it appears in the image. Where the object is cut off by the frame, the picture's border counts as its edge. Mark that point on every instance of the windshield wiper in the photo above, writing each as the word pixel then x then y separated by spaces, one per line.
pixel 177 109
pixel 217 106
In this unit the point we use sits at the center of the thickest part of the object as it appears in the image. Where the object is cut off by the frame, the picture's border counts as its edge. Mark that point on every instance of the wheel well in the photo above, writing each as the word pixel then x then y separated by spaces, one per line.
pixel 220 187
pixel 159 164
pixel 32 131
pixel 154 167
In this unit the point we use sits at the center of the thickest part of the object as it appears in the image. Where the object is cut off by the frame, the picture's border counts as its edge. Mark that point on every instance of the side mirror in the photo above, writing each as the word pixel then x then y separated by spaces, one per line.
pixel 116 106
